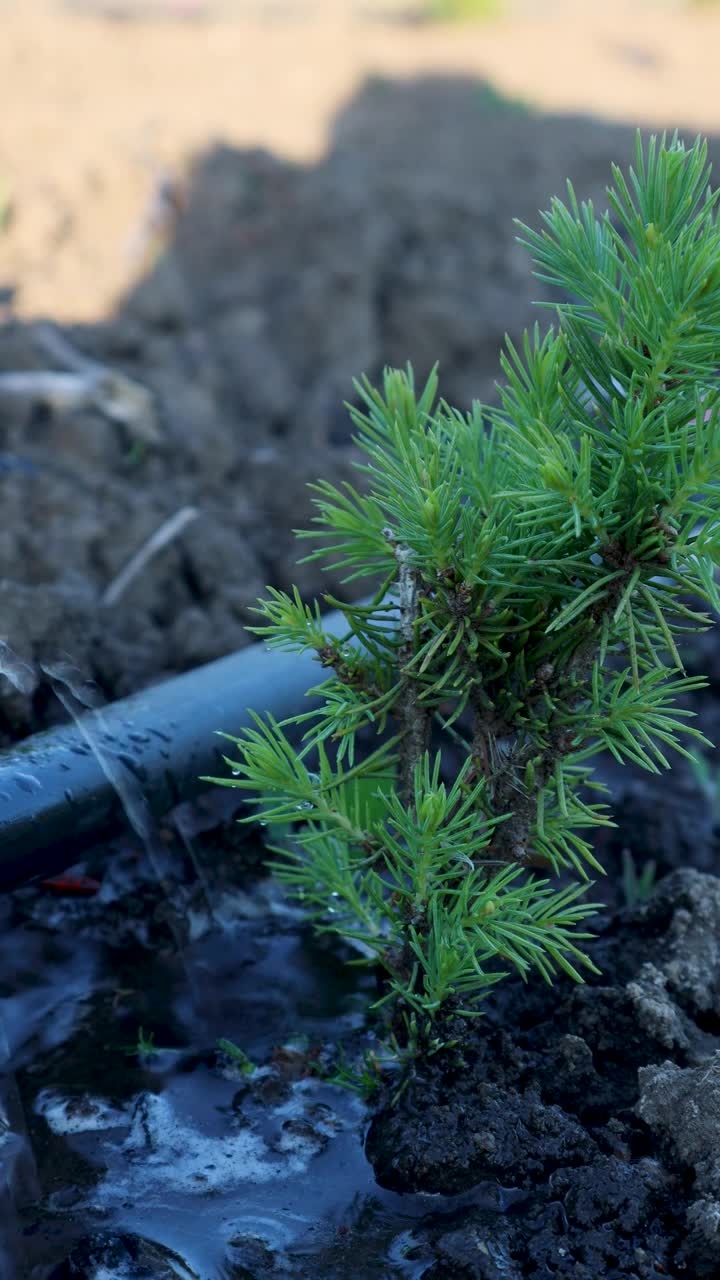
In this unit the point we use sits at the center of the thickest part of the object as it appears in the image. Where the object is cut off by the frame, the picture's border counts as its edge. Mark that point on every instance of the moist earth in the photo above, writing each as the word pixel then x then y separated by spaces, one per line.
pixel 271 287
pixel 573 1132
pixel 594 1108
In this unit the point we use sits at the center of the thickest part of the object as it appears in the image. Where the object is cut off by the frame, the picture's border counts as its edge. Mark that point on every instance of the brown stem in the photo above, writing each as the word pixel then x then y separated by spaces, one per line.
pixel 414 717
pixel 513 837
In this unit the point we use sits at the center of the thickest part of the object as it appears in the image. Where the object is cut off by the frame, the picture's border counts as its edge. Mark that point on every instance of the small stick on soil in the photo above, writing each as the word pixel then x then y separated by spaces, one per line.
pixel 167 531
pixel 88 385
pixel 58 348
pixel 117 397
pixel 158 221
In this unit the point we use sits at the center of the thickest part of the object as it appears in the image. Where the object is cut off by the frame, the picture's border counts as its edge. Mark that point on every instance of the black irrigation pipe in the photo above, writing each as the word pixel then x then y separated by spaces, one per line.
pixel 56 799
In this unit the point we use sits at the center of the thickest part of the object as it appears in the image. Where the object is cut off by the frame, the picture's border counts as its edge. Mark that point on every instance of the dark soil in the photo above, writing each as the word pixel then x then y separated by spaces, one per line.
pixel 278 286
pixel 573 1132
pixel 586 1102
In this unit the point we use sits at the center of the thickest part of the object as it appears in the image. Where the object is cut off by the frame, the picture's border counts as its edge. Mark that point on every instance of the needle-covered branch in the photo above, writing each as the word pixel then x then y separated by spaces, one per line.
pixel 537 566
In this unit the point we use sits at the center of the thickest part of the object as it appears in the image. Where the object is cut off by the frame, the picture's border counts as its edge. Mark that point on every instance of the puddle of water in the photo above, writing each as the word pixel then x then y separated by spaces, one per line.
pixel 290 1179
pixel 163 1158
pixel 47 1003
pixel 287 1170
pixel 229 1171
pixel 182 1149
pixel 19 1182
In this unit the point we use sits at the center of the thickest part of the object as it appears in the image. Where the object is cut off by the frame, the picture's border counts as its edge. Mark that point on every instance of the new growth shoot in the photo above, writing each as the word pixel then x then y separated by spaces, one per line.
pixel 535 568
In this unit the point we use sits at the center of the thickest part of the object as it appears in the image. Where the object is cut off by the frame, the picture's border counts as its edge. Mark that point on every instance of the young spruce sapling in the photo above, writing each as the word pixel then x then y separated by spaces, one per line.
pixel 535 567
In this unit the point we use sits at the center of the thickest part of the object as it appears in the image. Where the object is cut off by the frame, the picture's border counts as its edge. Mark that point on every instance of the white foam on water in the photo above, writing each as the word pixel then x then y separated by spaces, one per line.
pixel 321 1119
pixel 164 1153
pixel 299 1144
pixel 207 1188
pixel 130 1272
pixel 78 1115
pixel 325 1115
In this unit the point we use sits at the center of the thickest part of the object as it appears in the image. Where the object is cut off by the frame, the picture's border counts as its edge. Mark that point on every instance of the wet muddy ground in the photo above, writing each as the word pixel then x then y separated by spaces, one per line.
pixel 574 1132
pixel 169 1109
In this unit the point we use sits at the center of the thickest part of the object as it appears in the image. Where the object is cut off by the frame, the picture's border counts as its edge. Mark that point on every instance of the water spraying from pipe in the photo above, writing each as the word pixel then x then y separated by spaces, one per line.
pixel 58 797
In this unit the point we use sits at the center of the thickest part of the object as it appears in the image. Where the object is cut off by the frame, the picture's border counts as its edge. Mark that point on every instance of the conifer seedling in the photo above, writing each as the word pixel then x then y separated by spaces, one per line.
pixel 535 568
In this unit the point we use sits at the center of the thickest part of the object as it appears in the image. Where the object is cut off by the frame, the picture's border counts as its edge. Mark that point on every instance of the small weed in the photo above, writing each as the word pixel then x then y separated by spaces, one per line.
pixel 637 886
pixel 237 1056
pixel 463 10
pixel 5 208
pixel 144 1046
pixel 708 780
pixel 138 450
pixel 363 1077
pixel 491 99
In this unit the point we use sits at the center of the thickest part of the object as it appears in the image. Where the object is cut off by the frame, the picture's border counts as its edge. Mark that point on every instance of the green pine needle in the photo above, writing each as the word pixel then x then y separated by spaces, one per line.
pixel 537 566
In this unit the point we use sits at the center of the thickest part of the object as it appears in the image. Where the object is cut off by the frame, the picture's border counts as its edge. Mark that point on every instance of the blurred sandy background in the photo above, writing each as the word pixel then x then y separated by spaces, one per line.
pixel 106 101
pixel 240 207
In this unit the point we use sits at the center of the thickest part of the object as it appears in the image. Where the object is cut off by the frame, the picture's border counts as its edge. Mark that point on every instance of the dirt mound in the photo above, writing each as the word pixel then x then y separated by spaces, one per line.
pixel 273 286
pixel 586 1104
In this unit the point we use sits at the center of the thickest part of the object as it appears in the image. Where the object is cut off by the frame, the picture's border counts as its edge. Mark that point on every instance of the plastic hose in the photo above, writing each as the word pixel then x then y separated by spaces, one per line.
pixel 56 798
